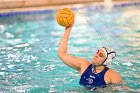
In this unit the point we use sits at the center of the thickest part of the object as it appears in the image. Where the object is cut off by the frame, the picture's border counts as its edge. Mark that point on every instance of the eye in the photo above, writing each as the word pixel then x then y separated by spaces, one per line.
pixel 97 51
pixel 101 55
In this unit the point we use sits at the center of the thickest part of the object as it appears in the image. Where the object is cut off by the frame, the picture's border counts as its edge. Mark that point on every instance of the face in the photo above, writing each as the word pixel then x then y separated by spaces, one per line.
pixel 99 57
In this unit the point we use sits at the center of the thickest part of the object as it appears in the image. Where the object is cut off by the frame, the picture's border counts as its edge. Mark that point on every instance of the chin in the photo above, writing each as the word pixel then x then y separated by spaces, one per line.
pixel 93 62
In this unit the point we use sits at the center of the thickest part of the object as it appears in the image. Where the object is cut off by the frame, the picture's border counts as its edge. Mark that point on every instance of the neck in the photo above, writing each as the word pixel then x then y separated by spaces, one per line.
pixel 98 69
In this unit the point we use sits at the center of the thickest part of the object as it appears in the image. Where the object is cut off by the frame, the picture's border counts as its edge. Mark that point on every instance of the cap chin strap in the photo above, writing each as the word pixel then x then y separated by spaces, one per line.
pixel 107 54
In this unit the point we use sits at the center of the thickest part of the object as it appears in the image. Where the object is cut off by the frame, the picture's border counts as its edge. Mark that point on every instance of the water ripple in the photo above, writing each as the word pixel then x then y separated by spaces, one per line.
pixel 48 68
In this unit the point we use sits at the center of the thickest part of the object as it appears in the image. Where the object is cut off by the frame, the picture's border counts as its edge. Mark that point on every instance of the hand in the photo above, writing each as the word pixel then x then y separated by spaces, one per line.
pixel 69 28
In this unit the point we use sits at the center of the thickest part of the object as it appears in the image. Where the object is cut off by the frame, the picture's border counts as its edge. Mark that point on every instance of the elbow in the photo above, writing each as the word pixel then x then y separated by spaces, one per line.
pixel 60 54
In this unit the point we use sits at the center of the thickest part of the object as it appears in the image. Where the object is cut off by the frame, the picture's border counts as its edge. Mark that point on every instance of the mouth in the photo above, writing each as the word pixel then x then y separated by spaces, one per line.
pixel 94 58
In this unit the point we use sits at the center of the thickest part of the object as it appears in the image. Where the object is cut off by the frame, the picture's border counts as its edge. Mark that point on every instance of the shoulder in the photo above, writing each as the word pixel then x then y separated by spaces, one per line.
pixel 113 76
pixel 84 64
pixel 111 71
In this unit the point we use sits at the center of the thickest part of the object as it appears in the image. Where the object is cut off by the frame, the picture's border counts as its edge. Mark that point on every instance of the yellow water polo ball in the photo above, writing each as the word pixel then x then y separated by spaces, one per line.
pixel 65 17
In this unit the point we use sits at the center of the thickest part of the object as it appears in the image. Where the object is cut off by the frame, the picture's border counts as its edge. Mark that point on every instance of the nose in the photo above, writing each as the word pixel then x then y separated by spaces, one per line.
pixel 96 56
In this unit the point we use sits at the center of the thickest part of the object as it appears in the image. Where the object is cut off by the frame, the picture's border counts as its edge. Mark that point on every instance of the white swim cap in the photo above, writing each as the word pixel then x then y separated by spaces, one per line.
pixel 110 54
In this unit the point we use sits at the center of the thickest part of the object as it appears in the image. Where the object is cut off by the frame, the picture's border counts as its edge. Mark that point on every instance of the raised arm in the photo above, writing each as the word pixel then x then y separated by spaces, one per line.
pixel 68 59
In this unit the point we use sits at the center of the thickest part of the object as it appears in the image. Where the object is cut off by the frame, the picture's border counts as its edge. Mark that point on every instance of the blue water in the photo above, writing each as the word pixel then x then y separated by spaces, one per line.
pixel 29 43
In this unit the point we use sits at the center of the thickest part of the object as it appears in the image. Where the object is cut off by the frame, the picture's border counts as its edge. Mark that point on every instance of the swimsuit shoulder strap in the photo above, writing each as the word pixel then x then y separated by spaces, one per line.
pixel 104 70
pixel 87 70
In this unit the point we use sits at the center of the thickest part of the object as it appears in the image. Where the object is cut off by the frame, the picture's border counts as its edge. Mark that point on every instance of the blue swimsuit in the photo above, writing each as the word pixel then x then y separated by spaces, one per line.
pixel 92 80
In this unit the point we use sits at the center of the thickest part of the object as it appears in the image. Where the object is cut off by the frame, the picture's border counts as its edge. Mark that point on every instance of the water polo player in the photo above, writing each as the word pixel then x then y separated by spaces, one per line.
pixel 93 74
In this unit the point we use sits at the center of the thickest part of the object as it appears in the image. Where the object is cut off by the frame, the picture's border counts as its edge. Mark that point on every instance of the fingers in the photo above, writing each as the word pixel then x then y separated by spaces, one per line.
pixel 69 28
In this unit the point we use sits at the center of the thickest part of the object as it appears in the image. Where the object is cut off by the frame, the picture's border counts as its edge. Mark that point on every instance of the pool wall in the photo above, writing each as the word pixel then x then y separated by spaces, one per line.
pixel 25 7
pixel 37 3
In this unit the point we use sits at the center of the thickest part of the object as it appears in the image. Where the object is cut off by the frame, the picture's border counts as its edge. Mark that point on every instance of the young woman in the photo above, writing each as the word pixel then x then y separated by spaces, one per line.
pixel 93 74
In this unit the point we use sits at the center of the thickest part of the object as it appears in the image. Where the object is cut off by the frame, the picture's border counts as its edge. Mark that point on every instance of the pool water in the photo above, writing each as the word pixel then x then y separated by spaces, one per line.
pixel 29 43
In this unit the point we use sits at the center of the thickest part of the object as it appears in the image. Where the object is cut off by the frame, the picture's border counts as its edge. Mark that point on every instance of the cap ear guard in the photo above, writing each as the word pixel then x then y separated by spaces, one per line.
pixel 110 55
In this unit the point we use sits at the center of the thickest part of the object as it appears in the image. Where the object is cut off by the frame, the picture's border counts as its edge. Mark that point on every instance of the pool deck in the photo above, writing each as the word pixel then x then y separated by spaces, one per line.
pixel 25 5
